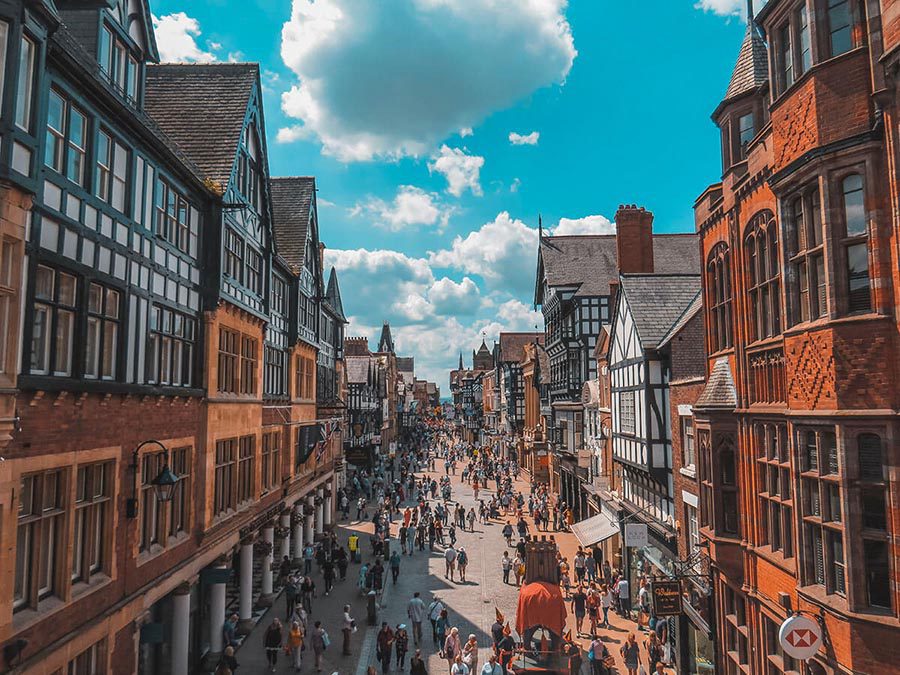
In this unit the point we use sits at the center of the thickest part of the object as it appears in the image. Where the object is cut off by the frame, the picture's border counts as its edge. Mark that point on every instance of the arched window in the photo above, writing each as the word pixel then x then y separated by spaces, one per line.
pixel 856 244
pixel 718 291
pixel 764 276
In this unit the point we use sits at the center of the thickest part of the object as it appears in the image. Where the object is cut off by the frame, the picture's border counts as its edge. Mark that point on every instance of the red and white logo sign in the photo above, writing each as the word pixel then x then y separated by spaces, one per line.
pixel 800 637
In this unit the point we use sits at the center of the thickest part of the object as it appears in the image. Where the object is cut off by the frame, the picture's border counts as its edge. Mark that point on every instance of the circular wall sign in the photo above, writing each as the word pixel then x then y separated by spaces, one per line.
pixel 800 637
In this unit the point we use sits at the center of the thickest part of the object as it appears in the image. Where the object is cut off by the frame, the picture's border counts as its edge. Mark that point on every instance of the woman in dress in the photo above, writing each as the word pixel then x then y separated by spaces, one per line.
pixel 631 652
pixel 452 647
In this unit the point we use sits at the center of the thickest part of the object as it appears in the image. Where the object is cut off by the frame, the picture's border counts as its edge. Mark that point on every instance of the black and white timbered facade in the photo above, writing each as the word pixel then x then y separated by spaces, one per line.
pixel 648 306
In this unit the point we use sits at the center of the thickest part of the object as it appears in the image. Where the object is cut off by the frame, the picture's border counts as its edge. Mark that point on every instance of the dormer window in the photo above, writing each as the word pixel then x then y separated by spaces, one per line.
pixel 117 64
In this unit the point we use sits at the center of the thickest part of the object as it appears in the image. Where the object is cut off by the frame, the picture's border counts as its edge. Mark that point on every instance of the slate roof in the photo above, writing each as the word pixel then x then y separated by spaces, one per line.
pixel 333 295
pixel 720 391
pixel 202 108
pixel 689 314
pixel 357 369
pixel 589 262
pixel 512 345
pixel 657 302
pixel 291 204
pixel 406 364
pixel 751 70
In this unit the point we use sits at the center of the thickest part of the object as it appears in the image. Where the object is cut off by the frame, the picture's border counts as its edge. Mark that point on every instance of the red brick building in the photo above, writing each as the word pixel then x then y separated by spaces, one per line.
pixel 796 428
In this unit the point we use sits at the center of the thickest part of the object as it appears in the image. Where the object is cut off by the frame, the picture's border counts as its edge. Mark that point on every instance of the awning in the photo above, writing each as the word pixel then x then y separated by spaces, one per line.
pixel 594 530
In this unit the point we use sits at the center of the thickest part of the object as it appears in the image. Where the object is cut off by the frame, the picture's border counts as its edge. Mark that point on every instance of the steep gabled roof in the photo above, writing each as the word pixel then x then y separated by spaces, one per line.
pixel 292 199
pixel 333 296
pixel 202 107
pixel 751 71
pixel 689 314
pixel 512 345
pixel 589 262
pixel 720 391
pixel 386 342
pixel 358 369
pixel 657 302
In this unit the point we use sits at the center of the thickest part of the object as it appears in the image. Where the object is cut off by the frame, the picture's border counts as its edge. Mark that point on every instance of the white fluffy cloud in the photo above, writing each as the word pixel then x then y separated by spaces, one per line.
pixel 176 38
pixel 391 79
pixel 449 297
pixel 412 206
pixel 527 139
pixel 586 225
pixel 462 170
pixel 723 7
pixel 502 252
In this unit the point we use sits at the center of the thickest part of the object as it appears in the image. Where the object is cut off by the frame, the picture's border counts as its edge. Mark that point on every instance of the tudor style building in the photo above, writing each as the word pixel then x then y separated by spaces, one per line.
pixel 173 315
pixel 796 430
pixel 575 286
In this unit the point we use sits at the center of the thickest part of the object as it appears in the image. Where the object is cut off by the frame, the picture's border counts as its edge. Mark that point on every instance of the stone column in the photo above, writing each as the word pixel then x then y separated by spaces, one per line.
pixel 266 597
pixel 329 503
pixel 308 533
pixel 286 542
pixel 320 515
pixel 245 611
pixel 298 531
pixel 181 625
pixel 216 616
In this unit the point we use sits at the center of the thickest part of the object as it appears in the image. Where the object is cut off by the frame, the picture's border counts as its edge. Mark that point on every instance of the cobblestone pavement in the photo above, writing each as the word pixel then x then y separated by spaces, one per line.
pixel 470 604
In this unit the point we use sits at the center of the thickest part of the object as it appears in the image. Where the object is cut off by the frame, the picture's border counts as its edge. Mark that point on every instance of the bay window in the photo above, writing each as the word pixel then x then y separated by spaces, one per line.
pixel 873 501
pixel 718 291
pixel 844 26
pixel 764 282
pixel 806 255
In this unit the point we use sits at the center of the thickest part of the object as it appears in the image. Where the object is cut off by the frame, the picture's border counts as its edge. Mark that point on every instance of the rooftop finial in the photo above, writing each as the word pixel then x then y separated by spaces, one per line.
pixel 749 11
pixel 540 227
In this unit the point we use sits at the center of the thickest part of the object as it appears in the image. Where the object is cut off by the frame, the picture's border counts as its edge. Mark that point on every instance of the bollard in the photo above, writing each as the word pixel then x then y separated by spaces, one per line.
pixel 371 608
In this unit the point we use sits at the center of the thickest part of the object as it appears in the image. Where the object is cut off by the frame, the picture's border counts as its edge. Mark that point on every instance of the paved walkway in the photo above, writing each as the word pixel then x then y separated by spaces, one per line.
pixel 471 605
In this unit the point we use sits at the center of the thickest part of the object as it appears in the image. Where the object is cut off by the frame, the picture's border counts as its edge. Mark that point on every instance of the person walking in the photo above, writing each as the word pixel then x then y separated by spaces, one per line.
pixel 462 561
pixel 353 546
pixel 272 640
pixel 508 533
pixel 395 566
pixel 228 661
pixel 229 631
pixel 458 667
pixel 631 653
pixel 308 553
pixel 506 565
pixel 597 656
pixel 624 594
pixel 328 574
pixel 295 645
pixel 434 613
pixel 347 629
pixel 654 650
pixel 452 647
pixel 320 642
pixel 401 645
pixel 579 607
pixel 606 601
pixel 443 623
pixel 416 612
pixel 491 667
pixel 470 653
pixel 417 664
pixel 450 559
pixel 384 641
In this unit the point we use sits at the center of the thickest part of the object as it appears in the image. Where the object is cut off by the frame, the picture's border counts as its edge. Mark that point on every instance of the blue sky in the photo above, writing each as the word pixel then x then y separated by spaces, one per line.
pixel 438 130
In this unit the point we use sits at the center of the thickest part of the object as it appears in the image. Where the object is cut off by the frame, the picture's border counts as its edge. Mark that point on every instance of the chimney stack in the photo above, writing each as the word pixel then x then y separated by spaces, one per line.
pixel 634 239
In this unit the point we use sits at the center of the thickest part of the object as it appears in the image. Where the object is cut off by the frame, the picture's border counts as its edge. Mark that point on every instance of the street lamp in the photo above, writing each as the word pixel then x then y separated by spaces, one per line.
pixel 163 484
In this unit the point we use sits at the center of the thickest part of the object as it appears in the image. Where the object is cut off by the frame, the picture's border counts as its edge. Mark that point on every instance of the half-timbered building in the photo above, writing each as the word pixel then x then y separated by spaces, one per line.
pixel 164 335
pixel 575 286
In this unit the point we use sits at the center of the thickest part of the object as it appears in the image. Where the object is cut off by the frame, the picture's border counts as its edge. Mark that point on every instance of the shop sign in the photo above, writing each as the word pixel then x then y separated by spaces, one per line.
pixel 666 595
pixel 800 637
pixel 636 535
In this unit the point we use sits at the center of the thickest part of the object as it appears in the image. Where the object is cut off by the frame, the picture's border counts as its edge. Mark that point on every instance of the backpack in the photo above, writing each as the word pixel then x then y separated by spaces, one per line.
pixel 462 558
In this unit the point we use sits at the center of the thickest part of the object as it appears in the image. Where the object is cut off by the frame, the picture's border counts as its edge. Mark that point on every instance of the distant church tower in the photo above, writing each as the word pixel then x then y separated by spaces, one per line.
pixel 386 343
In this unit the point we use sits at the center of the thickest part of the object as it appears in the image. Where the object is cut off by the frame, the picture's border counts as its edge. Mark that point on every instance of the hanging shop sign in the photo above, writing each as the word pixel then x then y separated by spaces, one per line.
pixel 666 596
pixel 800 637
pixel 636 535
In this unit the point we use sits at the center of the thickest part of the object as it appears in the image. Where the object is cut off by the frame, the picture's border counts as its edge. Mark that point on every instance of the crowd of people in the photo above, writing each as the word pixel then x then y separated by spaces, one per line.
pixel 412 513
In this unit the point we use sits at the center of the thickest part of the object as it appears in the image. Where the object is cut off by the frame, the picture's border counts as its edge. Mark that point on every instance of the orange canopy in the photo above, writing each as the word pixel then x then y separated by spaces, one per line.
pixel 541 604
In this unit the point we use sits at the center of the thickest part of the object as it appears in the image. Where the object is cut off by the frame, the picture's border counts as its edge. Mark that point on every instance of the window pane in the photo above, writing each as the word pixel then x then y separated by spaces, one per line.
pixel 25 92
pixel 858 278
pixel 4 44
pixel 878 573
pixel 854 208
pixel 805 47
pixel 839 26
